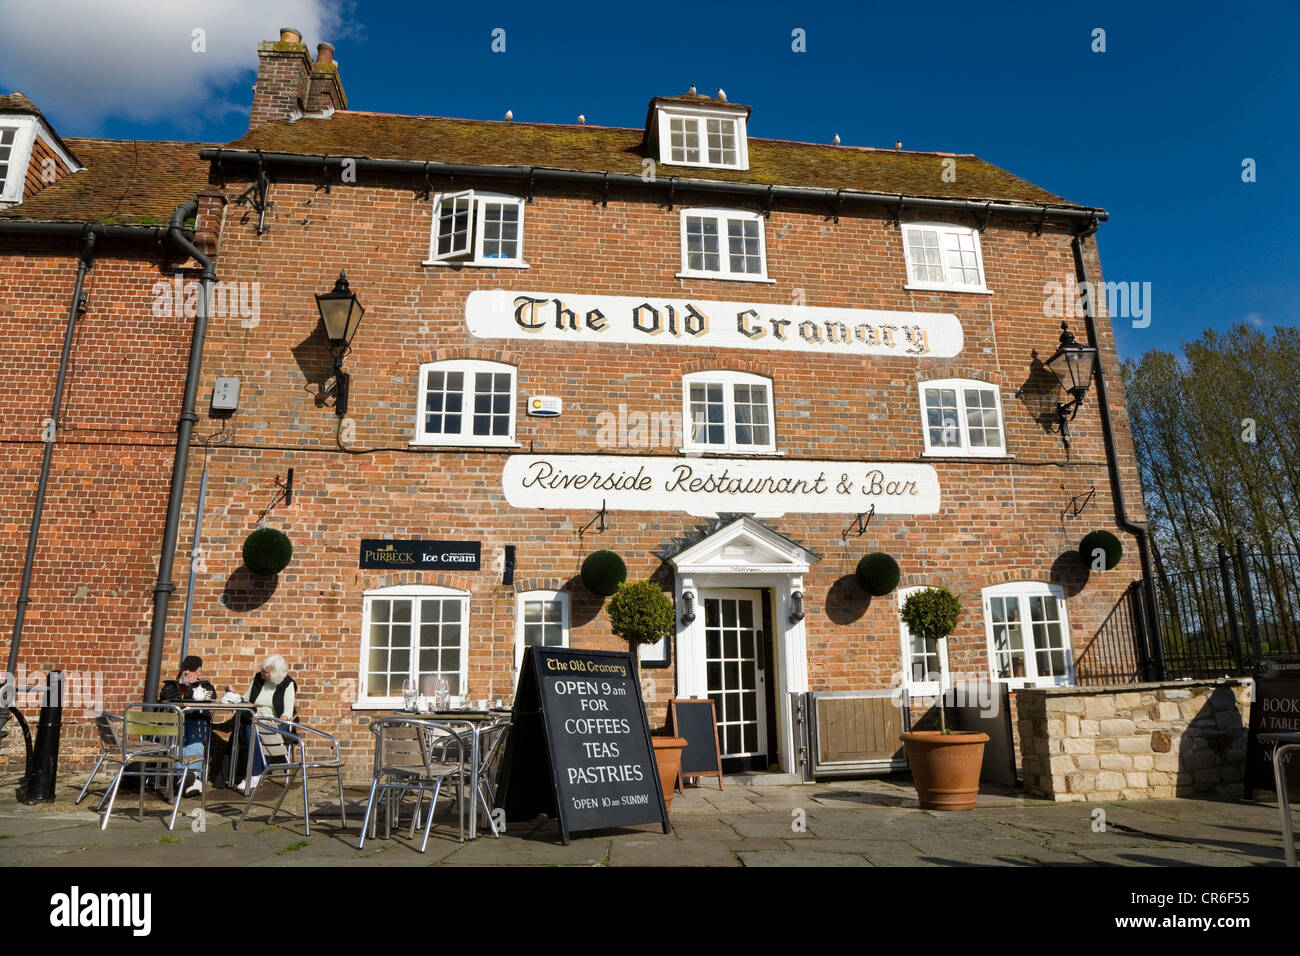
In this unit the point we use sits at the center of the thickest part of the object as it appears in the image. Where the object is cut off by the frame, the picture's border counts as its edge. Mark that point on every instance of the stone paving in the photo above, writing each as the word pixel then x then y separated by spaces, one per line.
pixel 871 822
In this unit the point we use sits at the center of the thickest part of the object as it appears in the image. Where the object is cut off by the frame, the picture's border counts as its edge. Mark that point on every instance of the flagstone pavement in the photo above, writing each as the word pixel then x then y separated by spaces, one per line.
pixel 870 822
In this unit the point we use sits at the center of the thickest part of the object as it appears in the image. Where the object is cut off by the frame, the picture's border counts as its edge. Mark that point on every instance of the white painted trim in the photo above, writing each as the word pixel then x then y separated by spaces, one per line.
pixel 928 688
pixel 721 218
pixel 474 252
pixel 728 380
pixel 1023 590
pixel 964 450
pixel 486 264
pixel 560 596
pixel 466 437
pixel 20 156
pixel 946 285
pixel 414 591
pixel 700 114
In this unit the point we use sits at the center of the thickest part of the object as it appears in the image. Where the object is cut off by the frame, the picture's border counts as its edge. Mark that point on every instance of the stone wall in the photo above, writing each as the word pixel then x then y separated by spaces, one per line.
pixel 1134 741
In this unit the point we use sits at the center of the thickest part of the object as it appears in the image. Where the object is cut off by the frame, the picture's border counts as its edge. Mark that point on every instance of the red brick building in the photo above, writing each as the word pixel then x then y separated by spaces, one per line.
pixel 740 363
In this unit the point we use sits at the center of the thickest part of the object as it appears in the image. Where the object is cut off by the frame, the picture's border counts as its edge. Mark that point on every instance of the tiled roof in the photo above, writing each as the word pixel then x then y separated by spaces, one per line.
pixel 17 103
pixel 124 182
pixel 620 150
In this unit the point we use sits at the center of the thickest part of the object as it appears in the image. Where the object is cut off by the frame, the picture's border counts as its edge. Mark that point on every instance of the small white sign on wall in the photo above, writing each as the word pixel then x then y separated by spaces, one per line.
pixel 654 321
pixel 545 406
pixel 708 486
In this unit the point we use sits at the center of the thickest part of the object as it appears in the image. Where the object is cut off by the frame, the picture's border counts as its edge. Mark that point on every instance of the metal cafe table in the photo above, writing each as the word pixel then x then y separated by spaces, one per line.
pixel 474 722
pixel 237 709
pixel 1284 743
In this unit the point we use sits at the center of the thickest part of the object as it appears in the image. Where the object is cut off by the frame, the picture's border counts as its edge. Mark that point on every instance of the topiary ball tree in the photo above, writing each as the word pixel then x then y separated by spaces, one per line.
pixel 267 551
pixel 932 613
pixel 603 572
pixel 878 573
pixel 1100 544
pixel 640 613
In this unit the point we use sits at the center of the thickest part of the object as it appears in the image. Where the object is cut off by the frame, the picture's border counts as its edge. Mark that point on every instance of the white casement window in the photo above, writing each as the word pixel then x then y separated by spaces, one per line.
pixel 1028 635
pixel 412 632
pixel 541 620
pixel 728 412
pixel 9 170
pixel 962 417
pixel 945 257
pixel 699 137
pixel 466 402
pixel 477 229
pixel 723 244
pixel 925 662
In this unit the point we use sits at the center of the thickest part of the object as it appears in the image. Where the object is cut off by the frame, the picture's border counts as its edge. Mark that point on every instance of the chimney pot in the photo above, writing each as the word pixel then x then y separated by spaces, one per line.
pixel 290 35
pixel 324 52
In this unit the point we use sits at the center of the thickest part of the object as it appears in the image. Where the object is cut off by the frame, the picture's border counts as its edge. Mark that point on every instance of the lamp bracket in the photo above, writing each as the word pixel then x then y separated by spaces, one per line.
pixel 599 516
pixel 1074 507
pixel 283 492
pixel 858 524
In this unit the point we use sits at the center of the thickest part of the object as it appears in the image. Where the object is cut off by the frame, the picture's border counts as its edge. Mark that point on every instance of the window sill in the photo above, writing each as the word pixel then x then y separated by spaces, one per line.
pixel 966 453
pixel 726 278
pixel 976 290
pixel 425 443
pixel 1028 683
pixel 685 165
pixel 713 451
pixel 484 264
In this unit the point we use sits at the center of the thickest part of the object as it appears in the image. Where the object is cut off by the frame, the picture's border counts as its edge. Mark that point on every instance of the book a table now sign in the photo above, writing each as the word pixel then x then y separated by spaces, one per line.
pixel 421 555
pixel 579 747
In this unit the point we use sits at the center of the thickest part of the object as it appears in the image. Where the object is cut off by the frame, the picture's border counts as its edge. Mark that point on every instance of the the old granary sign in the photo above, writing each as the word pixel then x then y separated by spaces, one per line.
pixel 562 317
pixel 708 486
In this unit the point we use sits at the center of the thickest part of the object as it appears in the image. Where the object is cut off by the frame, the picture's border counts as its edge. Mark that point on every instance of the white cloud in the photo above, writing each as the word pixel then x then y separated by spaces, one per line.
pixel 1254 319
pixel 82 61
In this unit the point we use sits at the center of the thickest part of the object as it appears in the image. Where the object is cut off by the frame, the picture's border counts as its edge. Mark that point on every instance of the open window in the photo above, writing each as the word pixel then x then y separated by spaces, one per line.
pixel 477 229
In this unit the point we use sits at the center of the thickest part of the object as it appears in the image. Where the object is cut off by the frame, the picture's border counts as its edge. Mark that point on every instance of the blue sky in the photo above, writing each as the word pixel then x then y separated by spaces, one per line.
pixel 1154 129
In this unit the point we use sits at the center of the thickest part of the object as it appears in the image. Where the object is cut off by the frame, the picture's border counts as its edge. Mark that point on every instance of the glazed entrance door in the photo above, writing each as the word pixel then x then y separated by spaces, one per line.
pixel 736 668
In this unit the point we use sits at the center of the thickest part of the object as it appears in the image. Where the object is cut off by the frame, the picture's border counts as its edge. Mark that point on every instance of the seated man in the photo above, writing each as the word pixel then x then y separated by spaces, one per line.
pixel 190 685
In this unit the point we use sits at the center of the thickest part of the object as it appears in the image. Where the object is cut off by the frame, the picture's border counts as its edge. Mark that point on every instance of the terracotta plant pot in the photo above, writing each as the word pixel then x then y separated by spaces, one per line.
pixel 945 767
pixel 668 755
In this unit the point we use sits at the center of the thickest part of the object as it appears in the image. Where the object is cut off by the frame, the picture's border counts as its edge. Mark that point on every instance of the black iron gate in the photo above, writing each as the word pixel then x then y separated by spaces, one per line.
pixel 1215 621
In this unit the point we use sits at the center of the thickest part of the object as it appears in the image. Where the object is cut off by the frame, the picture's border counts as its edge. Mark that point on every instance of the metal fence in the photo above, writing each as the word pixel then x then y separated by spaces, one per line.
pixel 1211 622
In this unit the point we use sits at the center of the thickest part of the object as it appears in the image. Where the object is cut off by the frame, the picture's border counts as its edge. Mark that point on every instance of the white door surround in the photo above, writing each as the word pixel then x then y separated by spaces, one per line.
pixel 745 554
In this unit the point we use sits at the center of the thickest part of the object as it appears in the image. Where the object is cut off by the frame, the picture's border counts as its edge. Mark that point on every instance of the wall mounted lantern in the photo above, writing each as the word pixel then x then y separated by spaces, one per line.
pixel 341 312
pixel 796 607
pixel 1073 365
pixel 688 603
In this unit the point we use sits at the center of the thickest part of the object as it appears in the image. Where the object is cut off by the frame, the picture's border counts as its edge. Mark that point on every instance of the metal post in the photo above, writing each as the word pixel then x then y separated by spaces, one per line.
pixel 44 770
pixel 1248 600
pixel 1225 573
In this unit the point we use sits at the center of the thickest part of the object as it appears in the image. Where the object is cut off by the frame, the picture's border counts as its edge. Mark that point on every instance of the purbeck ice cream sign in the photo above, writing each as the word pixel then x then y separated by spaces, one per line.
pixel 583 319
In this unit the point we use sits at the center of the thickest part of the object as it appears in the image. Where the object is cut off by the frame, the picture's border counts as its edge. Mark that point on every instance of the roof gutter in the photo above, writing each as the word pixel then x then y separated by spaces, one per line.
pixel 184 431
pixel 1154 665
pixel 674 184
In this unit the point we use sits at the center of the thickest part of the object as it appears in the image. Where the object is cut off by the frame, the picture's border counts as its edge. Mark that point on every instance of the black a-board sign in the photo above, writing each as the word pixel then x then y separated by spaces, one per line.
pixel 697 723
pixel 1274 709
pixel 579 748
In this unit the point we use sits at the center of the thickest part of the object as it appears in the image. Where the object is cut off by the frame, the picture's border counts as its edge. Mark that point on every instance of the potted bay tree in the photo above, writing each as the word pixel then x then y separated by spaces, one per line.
pixel 640 613
pixel 945 763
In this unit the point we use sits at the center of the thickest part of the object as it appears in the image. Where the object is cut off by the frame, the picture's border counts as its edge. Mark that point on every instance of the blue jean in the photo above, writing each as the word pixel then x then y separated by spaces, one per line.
pixel 259 762
pixel 196 732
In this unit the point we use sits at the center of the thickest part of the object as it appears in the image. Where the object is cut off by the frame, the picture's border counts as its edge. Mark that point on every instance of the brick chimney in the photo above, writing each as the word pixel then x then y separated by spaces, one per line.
pixel 288 82
pixel 324 89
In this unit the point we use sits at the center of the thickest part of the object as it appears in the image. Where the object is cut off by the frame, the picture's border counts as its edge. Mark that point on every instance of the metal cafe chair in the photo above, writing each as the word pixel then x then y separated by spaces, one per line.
pixel 287 755
pixel 405 761
pixel 109 727
pixel 153 735
pixel 491 745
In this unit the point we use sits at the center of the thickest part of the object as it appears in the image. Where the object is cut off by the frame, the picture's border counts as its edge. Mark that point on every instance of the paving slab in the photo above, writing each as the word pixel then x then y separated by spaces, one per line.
pixel 671 853
pixel 801 858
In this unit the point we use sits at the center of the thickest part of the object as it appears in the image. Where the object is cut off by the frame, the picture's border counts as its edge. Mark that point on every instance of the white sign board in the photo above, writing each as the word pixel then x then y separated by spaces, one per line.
pixel 562 317
pixel 708 486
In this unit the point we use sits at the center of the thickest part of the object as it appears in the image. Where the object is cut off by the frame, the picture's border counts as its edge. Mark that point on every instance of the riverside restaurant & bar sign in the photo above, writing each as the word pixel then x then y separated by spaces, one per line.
pixel 706 487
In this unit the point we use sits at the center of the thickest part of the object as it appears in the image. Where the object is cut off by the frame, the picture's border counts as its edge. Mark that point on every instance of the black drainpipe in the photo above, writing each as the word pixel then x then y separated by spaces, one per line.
pixel 184 430
pixel 49 433
pixel 1155 657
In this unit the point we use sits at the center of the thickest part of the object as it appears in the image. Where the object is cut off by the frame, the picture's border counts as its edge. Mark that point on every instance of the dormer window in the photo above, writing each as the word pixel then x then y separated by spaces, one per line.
pixel 8 138
pixel 702 136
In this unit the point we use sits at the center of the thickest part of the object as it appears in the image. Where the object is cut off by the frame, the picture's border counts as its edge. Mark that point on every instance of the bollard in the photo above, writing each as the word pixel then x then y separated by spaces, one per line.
pixel 44 768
